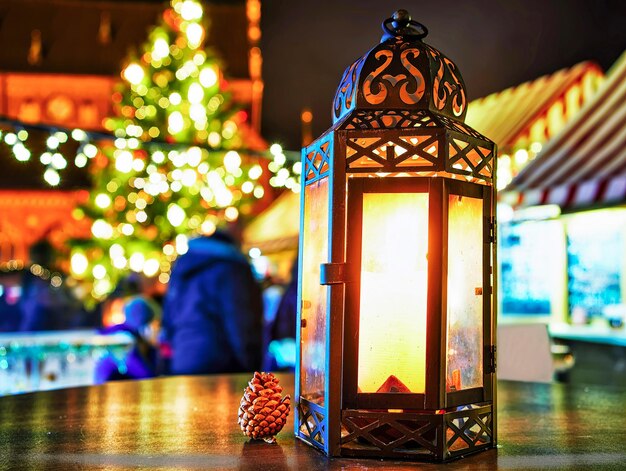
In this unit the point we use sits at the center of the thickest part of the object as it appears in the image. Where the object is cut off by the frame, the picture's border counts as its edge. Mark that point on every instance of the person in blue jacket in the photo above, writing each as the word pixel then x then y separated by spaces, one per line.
pixel 141 361
pixel 213 314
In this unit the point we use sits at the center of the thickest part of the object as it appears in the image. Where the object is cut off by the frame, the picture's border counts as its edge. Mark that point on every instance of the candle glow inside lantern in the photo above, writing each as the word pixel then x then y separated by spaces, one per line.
pixel 396 341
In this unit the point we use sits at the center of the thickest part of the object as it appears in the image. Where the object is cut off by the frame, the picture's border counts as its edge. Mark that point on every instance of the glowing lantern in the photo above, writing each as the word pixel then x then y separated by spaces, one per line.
pixel 396 343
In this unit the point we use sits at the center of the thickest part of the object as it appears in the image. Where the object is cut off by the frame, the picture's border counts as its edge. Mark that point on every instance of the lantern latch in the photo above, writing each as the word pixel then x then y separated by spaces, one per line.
pixel 334 273
pixel 490 353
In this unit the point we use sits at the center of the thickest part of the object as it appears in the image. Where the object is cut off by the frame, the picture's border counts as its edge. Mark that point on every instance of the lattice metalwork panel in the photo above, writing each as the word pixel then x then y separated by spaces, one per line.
pixel 389 119
pixel 454 155
pixel 454 125
pixel 438 144
pixel 471 157
pixel 389 434
pixel 468 430
pixel 426 436
pixel 312 422
pixel 393 153
pixel 402 119
pixel 317 158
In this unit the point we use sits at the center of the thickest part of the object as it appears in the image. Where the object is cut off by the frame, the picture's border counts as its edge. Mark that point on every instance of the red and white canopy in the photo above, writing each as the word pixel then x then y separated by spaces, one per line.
pixel 508 117
pixel 585 164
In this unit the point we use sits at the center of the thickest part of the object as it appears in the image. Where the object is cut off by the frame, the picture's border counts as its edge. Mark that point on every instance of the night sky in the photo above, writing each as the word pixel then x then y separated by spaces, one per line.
pixel 496 44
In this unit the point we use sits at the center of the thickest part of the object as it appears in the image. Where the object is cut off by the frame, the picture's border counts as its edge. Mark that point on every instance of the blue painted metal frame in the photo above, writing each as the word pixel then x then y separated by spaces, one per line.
pixel 296 414
pixel 315 146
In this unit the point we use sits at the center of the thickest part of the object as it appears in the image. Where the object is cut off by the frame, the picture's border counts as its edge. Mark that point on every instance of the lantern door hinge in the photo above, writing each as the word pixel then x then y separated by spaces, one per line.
pixel 490 354
pixel 493 230
pixel 334 273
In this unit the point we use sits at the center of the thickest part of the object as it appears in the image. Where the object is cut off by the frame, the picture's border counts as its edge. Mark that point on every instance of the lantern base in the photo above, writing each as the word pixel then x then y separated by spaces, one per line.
pixel 414 435
pixel 417 435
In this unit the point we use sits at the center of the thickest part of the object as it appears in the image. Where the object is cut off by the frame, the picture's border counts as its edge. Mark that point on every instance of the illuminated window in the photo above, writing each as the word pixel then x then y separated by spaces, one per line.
pixel 394 267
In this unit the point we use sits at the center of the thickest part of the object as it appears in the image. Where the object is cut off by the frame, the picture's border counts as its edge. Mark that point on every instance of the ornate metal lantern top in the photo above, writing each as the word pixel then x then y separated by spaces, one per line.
pixel 402 72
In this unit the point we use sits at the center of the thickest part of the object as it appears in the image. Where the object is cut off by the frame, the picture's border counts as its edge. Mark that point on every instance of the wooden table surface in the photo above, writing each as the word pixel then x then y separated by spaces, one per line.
pixel 190 423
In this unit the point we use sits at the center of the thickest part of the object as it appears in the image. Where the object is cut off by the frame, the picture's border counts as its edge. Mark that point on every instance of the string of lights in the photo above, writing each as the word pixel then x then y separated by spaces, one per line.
pixel 16 135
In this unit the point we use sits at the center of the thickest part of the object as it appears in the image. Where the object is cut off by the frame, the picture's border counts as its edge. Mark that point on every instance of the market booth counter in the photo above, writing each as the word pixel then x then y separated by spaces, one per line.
pixel 598 352
pixel 563 245
pixel 32 361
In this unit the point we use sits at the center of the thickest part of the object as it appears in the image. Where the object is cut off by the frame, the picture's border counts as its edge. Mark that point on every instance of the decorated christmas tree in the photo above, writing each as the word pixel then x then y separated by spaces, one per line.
pixel 177 166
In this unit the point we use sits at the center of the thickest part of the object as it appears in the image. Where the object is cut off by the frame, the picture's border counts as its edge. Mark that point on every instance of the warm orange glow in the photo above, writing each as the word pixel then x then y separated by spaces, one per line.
pixel 253 10
pixel 27 216
pixel 254 33
pixel 114 312
pixel 465 300
pixel 573 102
pixel 392 326
pixel 556 118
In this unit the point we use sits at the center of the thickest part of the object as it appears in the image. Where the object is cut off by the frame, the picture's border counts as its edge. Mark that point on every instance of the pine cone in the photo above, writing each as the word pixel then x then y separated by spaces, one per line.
pixel 263 411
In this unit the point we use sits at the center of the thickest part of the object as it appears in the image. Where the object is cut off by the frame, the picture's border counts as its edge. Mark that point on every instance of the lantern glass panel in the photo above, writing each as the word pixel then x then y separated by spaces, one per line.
pixel 465 295
pixel 314 295
pixel 392 321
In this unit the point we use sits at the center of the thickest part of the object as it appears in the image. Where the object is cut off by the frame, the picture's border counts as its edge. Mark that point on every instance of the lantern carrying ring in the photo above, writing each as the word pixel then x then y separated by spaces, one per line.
pixel 402 25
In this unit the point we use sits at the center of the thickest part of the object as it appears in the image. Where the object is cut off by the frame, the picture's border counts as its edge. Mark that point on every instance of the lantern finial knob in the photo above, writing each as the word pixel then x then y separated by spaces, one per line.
pixel 401 25
pixel 401 18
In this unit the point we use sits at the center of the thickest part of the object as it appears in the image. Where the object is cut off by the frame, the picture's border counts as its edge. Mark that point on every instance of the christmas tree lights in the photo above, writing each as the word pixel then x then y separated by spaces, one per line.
pixel 177 166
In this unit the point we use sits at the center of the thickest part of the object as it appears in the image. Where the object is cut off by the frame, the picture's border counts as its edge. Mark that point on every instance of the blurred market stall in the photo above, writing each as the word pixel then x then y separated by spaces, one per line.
pixel 54 360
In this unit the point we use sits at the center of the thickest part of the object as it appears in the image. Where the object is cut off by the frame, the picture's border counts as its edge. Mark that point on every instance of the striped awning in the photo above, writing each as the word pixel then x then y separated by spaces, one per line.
pixel 585 164
pixel 509 116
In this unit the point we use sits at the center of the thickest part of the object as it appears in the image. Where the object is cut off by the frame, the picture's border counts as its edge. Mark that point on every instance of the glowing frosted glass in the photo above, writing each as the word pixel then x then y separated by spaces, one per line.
pixel 314 295
pixel 465 300
pixel 392 324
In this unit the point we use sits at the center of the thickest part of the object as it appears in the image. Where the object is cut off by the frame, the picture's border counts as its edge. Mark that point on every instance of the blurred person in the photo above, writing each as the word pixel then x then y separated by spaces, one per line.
pixel 213 314
pixel 128 287
pixel 142 360
pixel 272 290
pixel 9 305
pixel 281 354
pixel 9 315
pixel 42 305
